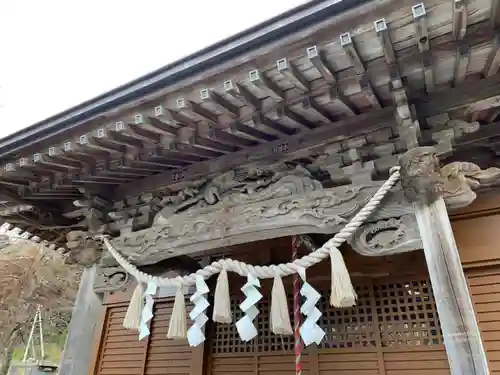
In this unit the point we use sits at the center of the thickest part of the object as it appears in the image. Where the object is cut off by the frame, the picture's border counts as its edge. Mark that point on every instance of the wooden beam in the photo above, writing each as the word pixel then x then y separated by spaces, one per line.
pixel 338 97
pixel 461 64
pixel 493 63
pixel 278 149
pixel 168 150
pixel 173 118
pixel 428 65
pixel 242 94
pixel 101 142
pixel 317 58
pixel 194 109
pixel 485 132
pixel 396 84
pixel 251 132
pixel 310 105
pixel 493 114
pixel 421 179
pixel 495 14
pixel 351 51
pixel 365 84
pixel 367 89
pixel 299 121
pixel 260 80
pixel 211 144
pixel 12 197
pixel 459 20
pixel 385 41
pixel 460 96
pixel 293 75
pixel 423 44
pixel 162 123
pixel 270 126
pixel 462 338
pixel 84 323
pixel 207 95
pixel 229 138
pixel 121 135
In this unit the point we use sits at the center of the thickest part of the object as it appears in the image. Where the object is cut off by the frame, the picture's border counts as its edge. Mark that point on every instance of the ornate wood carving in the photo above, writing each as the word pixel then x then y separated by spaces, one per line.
pixel 244 206
pixel 387 237
pixel 110 279
pixel 420 174
pixel 423 179
pixel 461 181
pixel 266 207
pixel 82 248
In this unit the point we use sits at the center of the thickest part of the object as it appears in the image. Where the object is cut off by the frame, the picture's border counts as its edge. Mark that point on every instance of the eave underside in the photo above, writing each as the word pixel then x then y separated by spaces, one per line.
pixel 338 99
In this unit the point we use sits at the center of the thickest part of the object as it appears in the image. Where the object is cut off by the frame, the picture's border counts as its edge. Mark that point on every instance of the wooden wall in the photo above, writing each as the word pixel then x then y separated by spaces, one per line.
pixel 477 232
pixel 119 351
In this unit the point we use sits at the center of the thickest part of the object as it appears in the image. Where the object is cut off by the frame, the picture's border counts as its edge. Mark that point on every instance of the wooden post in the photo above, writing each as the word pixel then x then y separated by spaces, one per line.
pixel 424 185
pixel 77 356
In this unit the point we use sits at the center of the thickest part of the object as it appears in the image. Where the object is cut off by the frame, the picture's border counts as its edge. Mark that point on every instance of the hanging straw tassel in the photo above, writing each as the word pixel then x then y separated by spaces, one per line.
pixel 222 302
pixel 343 293
pixel 280 317
pixel 177 328
pixel 132 318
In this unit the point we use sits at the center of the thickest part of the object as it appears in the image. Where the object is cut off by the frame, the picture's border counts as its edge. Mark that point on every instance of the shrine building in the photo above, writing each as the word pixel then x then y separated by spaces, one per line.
pixel 318 195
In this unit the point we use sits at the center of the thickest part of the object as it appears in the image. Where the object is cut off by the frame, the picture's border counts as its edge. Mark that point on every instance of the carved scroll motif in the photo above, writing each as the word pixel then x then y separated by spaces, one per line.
pixel 241 187
pixel 111 279
pixel 387 237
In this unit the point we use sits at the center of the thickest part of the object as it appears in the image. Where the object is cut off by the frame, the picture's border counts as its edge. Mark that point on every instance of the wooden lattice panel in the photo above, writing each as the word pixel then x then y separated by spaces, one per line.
pixel 387 314
pixel 226 338
pixel 267 341
pixel 348 328
pixel 407 314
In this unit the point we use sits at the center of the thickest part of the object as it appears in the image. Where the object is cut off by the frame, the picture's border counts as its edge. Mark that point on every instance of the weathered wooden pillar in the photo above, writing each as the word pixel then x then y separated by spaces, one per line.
pixel 424 185
pixel 77 354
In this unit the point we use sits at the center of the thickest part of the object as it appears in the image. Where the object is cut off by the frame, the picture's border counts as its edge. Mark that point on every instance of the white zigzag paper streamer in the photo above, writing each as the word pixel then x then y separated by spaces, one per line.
pixel 196 334
pixel 147 311
pixel 310 331
pixel 245 326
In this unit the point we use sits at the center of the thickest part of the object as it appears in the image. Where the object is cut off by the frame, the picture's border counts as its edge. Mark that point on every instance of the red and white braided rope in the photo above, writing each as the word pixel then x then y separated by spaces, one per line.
pixel 297 321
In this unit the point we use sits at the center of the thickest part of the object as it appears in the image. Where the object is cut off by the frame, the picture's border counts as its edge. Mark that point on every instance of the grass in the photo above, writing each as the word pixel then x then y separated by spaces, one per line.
pixel 53 349
pixel 53 353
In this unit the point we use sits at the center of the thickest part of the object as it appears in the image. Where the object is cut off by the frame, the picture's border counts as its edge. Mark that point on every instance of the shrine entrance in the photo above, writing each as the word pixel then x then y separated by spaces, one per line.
pixel 393 328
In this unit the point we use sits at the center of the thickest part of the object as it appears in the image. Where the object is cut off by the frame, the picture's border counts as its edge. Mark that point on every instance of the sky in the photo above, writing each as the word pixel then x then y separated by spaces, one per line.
pixel 55 54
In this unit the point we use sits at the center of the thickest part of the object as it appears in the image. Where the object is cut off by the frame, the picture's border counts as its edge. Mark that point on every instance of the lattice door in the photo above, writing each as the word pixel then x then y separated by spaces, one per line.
pixel 393 329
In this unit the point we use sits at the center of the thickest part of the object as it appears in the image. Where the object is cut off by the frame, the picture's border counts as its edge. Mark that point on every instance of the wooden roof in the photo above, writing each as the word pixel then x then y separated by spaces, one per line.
pixel 339 80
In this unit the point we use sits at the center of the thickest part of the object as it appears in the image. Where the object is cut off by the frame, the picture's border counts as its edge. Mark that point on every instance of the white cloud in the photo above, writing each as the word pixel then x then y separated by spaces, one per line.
pixel 58 53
